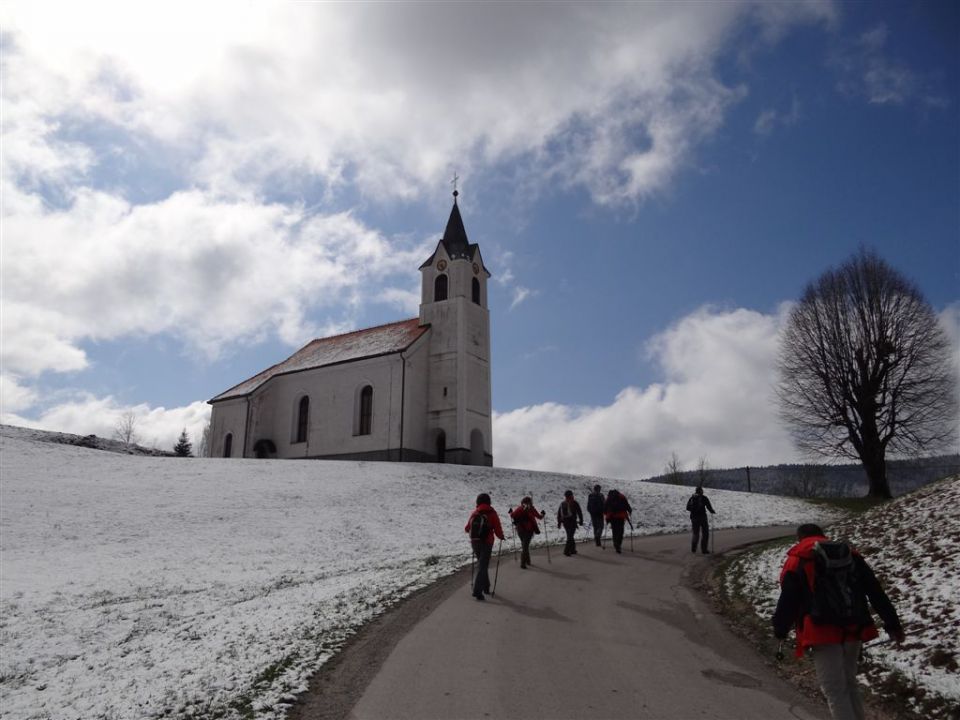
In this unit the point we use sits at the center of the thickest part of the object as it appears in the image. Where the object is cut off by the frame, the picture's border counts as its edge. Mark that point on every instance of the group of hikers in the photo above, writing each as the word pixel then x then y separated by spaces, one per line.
pixel 826 587
pixel 612 509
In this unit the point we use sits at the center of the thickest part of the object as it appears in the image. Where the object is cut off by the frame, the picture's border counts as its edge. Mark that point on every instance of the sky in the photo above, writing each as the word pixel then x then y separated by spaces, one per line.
pixel 191 192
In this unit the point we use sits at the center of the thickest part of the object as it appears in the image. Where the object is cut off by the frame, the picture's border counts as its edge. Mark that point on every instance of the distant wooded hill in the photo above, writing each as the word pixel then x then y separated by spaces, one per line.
pixel 818 480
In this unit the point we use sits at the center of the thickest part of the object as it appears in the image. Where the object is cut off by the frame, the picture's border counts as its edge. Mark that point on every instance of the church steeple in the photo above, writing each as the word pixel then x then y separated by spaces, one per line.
pixel 455 236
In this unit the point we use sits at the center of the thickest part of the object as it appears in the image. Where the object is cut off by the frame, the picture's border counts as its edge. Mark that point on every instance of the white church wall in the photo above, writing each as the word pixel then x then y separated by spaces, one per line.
pixel 415 434
pixel 228 418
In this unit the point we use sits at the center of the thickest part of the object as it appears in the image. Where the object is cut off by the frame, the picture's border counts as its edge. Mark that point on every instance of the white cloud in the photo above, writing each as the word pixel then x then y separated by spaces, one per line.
pixel 716 401
pixel 88 415
pixel 770 119
pixel 210 272
pixel 520 294
pixel 387 95
pixel 867 71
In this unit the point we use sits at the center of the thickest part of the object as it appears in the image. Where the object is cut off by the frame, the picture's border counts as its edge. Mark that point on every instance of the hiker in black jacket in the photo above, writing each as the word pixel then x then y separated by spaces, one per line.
pixel 569 517
pixel 618 512
pixel 697 506
pixel 595 510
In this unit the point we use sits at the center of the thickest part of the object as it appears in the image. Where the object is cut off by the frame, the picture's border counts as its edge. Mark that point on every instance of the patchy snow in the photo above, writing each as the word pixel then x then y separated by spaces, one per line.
pixel 912 544
pixel 146 587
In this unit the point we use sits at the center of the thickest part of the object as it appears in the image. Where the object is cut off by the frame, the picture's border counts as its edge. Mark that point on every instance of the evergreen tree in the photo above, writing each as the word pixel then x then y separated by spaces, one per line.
pixel 183 448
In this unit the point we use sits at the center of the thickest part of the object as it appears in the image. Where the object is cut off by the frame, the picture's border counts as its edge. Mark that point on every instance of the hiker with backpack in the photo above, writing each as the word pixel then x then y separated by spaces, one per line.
pixel 595 510
pixel 483 525
pixel 617 511
pixel 824 591
pixel 525 520
pixel 570 517
pixel 697 506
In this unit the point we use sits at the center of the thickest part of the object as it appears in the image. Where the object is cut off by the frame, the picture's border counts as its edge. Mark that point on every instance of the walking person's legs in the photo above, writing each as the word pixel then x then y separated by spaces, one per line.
pixel 525 549
pixel 571 547
pixel 481 582
pixel 597 520
pixel 837 677
pixel 704 536
pixel 696 535
pixel 616 527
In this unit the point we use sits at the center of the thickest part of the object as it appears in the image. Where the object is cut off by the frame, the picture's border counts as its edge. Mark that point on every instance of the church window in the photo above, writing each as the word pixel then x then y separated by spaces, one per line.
pixel 476 291
pixel 303 418
pixel 366 410
pixel 228 445
pixel 440 288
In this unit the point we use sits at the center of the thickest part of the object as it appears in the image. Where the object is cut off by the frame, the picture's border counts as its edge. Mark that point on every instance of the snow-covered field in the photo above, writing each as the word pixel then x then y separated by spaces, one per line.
pixel 146 587
pixel 912 544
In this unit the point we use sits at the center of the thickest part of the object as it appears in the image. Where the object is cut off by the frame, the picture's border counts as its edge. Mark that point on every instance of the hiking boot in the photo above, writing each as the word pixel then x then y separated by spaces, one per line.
pixel 479 597
pixel 706 552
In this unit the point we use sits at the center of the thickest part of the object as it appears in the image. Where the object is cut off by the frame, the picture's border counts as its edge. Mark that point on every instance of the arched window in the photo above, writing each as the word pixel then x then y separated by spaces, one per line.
pixel 228 445
pixel 476 291
pixel 366 410
pixel 303 417
pixel 440 288
pixel 441 447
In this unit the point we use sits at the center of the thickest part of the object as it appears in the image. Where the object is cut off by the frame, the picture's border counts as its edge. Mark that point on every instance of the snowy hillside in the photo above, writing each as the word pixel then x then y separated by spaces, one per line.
pixel 912 545
pixel 141 587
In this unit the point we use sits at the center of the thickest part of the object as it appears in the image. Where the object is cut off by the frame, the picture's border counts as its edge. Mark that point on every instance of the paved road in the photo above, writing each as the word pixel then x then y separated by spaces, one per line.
pixel 597 635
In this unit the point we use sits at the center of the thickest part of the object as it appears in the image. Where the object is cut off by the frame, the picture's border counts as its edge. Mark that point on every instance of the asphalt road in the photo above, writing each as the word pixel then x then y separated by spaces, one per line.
pixel 596 635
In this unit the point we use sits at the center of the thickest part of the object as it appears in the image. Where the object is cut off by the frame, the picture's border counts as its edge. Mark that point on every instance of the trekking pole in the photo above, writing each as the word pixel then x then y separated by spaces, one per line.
pixel 631 532
pixel 496 574
pixel 513 537
pixel 473 565
pixel 713 539
pixel 603 537
pixel 546 537
pixel 780 652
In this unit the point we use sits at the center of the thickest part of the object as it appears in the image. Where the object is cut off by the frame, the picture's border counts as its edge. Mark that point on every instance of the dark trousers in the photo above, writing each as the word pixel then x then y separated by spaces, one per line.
pixel 481 580
pixel 597 520
pixel 571 527
pixel 525 538
pixel 616 528
pixel 701 531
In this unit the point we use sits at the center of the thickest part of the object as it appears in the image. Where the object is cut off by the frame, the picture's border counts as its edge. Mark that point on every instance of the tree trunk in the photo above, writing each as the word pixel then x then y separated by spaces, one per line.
pixel 875 465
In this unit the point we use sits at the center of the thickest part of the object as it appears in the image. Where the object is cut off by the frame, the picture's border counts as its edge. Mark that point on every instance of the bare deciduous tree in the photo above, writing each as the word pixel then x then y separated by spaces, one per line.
pixel 674 469
pixel 702 470
pixel 865 369
pixel 126 429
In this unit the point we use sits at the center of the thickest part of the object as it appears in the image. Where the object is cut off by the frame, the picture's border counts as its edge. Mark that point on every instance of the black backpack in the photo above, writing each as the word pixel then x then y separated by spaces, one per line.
pixel 479 527
pixel 836 597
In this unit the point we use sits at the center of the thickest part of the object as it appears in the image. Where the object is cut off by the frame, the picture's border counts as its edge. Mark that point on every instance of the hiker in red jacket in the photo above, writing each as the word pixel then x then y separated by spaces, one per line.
pixel 617 510
pixel 483 524
pixel 525 519
pixel 816 577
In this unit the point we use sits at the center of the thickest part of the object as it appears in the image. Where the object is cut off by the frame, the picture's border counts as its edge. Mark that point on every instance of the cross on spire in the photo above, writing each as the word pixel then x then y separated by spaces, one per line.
pixel 454 183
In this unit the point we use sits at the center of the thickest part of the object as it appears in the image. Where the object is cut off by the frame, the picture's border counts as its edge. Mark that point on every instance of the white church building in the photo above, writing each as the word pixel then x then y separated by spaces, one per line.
pixel 415 390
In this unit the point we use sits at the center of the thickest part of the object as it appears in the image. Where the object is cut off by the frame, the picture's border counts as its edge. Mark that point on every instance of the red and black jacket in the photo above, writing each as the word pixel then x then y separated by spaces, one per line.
pixel 796 583
pixel 493 522
pixel 525 518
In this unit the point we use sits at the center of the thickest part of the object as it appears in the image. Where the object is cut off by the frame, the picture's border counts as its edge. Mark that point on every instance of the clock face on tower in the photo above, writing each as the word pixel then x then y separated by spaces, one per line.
pixel 442 265
pixel 476 269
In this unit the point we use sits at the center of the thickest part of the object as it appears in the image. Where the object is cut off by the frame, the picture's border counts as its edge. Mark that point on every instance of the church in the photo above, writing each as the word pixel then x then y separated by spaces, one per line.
pixel 415 390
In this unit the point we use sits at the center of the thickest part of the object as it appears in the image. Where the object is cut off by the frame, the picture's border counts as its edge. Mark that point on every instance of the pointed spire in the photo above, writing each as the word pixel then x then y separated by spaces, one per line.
pixel 455 236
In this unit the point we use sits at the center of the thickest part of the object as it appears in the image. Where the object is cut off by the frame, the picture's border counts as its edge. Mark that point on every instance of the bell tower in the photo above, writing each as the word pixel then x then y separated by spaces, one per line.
pixel 453 302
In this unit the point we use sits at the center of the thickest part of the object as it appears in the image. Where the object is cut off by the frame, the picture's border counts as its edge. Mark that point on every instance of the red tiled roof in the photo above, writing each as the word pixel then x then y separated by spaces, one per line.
pixel 356 345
